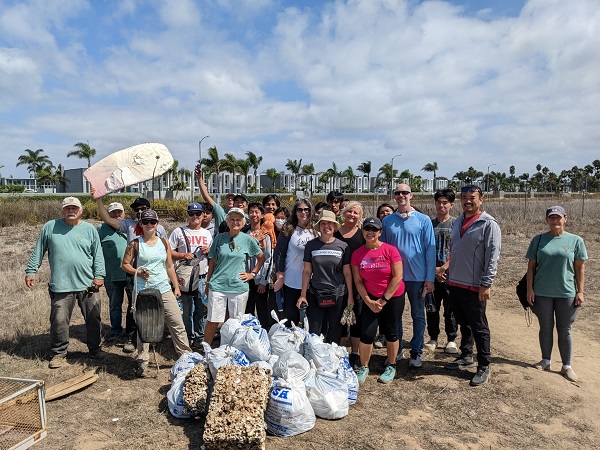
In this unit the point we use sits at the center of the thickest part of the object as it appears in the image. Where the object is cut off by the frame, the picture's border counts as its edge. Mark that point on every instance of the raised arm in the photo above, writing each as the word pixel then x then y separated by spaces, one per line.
pixel 103 212
pixel 202 186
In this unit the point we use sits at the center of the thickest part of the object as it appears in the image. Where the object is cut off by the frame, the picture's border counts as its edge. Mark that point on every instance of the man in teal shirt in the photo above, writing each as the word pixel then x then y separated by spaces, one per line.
pixel 114 244
pixel 76 274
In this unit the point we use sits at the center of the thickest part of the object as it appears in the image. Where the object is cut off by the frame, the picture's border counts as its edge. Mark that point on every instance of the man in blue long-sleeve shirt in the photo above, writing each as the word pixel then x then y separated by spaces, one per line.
pixel 411 232
pixel 76 273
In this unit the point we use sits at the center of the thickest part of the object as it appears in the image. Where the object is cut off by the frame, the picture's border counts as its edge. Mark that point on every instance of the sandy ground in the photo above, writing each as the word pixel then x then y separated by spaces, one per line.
pixel 430 408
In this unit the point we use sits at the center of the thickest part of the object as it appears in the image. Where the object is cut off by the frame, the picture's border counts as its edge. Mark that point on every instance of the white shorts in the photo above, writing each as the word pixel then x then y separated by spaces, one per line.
pixel 219 303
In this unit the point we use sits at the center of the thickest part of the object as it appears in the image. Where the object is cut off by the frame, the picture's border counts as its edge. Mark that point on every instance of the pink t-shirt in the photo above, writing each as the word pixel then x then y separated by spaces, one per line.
pixel 375 268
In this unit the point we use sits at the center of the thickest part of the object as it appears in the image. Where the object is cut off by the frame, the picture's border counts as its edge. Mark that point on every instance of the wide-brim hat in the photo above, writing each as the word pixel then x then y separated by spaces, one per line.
pixel 327 216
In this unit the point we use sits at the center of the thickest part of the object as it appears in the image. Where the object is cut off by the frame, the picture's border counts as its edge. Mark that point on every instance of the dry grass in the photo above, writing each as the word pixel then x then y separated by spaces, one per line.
pixel 430 408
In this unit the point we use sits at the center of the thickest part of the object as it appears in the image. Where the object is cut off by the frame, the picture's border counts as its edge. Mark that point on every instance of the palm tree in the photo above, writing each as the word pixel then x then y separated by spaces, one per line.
pixel 388 174
pixel 230 164
pixel 432 167
pixel 254 162
pixel 34 160
pixel 84 151
pixel 213 164
pixel 294 167
pixel 244 168
pixel 273 175
pixel 309 170
pixel 349 174
pixel 365 168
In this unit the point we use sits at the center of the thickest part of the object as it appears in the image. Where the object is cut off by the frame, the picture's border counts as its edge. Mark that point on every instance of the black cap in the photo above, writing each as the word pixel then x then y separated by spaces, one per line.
pixel 242 196
pixel 140 201
pixel 372 222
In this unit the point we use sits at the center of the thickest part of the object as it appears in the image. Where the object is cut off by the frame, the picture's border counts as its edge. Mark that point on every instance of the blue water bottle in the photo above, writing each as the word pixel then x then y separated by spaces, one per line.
pixel 279 300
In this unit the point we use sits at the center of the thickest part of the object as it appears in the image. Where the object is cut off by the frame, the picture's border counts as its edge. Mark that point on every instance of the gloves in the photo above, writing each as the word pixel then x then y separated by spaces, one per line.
pixel 348 318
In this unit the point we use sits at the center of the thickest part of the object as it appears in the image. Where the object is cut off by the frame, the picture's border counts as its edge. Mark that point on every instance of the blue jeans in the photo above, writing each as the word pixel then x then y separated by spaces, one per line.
pixel 417 312
pixel 116 293
pixel 194 312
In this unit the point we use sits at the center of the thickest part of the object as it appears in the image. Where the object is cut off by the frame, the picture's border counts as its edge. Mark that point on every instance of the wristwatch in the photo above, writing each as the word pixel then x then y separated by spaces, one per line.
pixel 254 274
pixel 383 297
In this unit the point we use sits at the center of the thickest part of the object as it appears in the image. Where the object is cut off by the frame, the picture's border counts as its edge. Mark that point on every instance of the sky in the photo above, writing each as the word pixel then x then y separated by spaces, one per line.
pixel 477 83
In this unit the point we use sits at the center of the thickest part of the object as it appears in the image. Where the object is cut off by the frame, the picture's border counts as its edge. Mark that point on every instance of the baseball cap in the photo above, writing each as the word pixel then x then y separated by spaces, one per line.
pixel 195 206
pixel 238 211
pixel 140 201
pixel 71 201
pixel 149 214
pixel 556 211
pixel 114 206
pixel 372 222
pixel 242 196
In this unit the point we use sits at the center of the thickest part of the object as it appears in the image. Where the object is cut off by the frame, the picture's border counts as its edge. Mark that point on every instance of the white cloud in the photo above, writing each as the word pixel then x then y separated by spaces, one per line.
pixel 381 77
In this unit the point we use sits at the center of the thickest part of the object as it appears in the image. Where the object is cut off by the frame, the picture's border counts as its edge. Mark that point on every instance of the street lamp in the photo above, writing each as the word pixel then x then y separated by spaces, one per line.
pixel 392 174
pixel 200 149
pixel 487 182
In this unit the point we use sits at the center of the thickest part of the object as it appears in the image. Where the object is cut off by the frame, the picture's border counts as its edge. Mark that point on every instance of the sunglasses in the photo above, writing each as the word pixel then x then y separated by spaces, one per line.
pixel 140 208
pixel 303 210
pixel 470 189
pixel 401 192
pixel 231 243
pixel 195 213
pixel 149 221
pixel 370 228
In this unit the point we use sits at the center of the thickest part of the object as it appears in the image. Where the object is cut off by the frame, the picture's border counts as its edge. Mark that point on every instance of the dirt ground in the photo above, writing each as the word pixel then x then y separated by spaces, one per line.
pixel 430 408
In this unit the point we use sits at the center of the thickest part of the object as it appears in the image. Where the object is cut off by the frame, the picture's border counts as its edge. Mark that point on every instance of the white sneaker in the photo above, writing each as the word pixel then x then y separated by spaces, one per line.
pixel 451 348
pixel 431 345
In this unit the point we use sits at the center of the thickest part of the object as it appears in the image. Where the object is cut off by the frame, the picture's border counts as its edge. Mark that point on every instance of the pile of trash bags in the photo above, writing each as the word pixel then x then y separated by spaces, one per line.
pixel 311 378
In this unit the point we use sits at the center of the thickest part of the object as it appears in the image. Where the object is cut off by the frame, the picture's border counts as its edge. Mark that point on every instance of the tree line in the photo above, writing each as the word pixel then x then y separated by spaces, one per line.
pixel 585 178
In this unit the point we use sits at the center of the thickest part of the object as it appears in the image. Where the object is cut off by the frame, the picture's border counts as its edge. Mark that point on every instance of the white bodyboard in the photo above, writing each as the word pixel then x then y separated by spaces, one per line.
pixel 129 166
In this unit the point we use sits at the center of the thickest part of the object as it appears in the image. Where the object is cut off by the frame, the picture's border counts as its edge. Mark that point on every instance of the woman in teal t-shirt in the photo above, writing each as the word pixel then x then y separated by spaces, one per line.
pixel 555 279
pixel 227 280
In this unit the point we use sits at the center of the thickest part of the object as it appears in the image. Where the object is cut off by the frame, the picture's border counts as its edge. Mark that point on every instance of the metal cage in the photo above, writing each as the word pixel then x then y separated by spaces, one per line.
pixel 22 413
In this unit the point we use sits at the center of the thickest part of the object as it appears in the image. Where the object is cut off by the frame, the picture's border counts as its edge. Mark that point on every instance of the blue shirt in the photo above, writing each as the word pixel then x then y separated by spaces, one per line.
pixel 414 239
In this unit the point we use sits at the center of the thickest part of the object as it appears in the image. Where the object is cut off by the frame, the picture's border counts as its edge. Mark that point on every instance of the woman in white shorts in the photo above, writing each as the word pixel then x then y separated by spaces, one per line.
pixel 227 279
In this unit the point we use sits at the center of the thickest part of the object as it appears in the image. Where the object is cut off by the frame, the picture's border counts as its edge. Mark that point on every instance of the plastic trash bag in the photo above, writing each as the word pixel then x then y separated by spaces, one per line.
pixel 223 356
pixel 285 339
pixel 327 394
pixel 228 330
pixel 346 373
pixel 175 400
pixel 288 412
pixel 321 353
pixel 253 340
pixel 292 367
pixel 184 364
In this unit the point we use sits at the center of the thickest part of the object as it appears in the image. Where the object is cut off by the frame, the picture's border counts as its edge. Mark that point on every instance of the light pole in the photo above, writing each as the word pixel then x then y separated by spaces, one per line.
pixel 487 182
pixel 392 174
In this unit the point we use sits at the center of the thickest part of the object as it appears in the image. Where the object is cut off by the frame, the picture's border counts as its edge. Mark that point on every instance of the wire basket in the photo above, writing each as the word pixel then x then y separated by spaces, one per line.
pixel 22 413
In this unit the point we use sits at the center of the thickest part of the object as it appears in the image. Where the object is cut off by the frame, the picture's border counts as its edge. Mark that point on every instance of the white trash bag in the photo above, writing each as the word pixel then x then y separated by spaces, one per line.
pixel 175 399
pixel 292 367
pixel 327 394
pixel 253 340
pixel 288 412
pixel 184 364
pixel 285 339
pixel 346 373
pixel 321 353
pixel 228 329
pixel 223 356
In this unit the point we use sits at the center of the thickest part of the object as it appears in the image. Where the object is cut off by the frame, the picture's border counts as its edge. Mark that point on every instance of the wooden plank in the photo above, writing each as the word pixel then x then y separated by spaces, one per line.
pixel 67 387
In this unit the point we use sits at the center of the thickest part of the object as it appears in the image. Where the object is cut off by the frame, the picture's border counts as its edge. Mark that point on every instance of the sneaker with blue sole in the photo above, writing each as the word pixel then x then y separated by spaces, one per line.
pixel 388 374
pixel 361 373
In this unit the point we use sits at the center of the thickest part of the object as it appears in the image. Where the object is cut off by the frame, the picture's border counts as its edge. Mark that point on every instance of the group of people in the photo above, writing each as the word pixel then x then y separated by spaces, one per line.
pixel 311 268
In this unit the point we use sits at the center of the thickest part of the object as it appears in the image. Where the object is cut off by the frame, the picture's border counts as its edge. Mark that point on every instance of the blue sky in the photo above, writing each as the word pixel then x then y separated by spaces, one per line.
pixel 463 83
